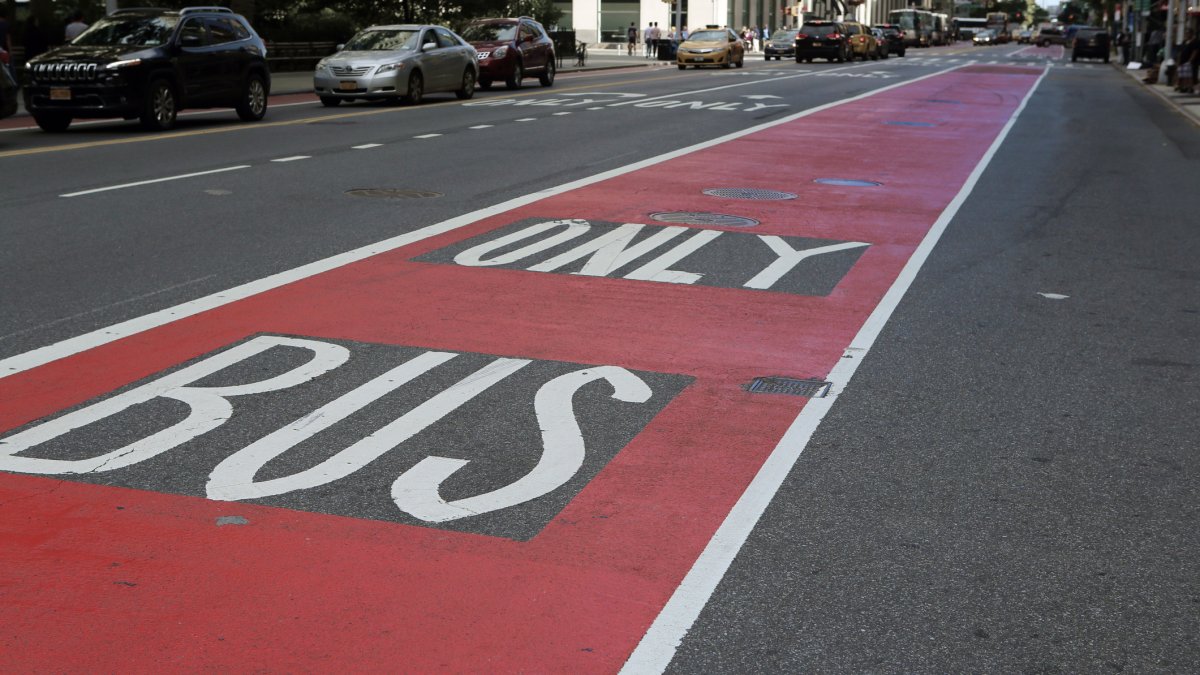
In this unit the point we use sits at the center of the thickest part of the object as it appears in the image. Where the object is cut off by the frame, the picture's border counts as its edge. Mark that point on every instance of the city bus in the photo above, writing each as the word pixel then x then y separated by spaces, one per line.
pixel 965 28
pixel 998 21
pixel 916 24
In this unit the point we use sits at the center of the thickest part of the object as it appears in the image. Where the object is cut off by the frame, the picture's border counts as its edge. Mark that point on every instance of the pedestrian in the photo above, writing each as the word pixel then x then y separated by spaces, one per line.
pixel 1153 45
pixel 1123 45
pixel 631 37
pixel 655 38
pixel 76 26
pixel 1185 81
pixel 648 37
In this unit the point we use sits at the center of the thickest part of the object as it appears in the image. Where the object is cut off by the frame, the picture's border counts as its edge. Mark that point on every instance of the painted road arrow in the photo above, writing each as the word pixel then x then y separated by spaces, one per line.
pixel 530 438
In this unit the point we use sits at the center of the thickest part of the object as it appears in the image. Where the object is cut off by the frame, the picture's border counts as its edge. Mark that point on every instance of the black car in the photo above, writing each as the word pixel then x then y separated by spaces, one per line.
pixel 1090 43
pixel 894 36
pixel 782 43
pixel 148 64
pixel 826 39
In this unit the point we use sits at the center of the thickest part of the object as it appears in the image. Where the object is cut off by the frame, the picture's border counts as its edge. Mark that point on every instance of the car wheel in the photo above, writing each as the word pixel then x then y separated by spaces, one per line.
pixel 728 62
pixel 681 66
pixel 330 101
pixel 514 80
pixel 468 85
pixel 742 61
pixel 253 106
pixel 53 122
pixel 841 57
pixel 416 89
pixel 798 59
pixel 158 110
pixel 901 53
pixel 809 59
pixel 1106 58
pixel 1074 58
pixel 484 83
pixel 547 76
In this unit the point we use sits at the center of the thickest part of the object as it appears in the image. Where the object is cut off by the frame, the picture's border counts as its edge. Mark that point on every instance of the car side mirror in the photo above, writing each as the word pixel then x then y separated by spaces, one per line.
pixel 341 46
pixel 428 45
pixel 190 41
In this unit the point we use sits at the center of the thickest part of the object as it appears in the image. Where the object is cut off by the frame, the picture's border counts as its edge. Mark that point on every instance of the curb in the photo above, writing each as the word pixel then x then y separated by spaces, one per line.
pixel 1164 93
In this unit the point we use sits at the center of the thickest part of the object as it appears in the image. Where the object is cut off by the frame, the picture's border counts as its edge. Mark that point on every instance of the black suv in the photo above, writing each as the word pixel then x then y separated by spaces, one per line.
pixel 1090 43
pixel 823 38
pixel 148 64
pixel 511 50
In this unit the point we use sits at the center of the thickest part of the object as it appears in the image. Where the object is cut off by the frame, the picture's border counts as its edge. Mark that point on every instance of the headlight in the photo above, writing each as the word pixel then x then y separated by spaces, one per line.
pixel 123 64
pixel 322 65
pixel 390 67
pixel 500 52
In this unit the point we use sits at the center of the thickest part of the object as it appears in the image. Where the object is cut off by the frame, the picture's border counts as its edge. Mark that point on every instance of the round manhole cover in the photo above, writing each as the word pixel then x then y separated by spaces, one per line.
pixel 392 193
pixel 701 218
pixel 749 193
pixel 847 182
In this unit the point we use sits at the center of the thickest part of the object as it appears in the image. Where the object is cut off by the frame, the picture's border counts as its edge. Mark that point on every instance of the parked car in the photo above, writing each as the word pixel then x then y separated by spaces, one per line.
pixel 711 47
pixel 1049 35
pixel 149 64
pixel 402 62
pixel 822 39
pixel 895 37
pixel 782 43
pixel 860 40
pixel 1025 37
pixel 986 36
pixel 1091 43
pixel 511 50
pixel 881 44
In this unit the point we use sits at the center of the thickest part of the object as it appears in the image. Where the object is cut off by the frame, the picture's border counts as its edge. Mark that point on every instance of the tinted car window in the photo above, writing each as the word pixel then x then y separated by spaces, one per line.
pixel 141 31
pixel 490 32
pixel 193 29
pixel 383 40
pixel 819 29
pixel 220 31
pixel 708 36
pixel 445 39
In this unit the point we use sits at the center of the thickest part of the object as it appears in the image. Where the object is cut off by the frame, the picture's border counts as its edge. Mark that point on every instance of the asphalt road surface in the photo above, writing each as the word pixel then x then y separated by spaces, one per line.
pixel 887 366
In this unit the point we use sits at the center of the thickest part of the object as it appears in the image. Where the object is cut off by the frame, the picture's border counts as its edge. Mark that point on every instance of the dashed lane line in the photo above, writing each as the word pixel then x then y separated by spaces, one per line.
pixel 155 180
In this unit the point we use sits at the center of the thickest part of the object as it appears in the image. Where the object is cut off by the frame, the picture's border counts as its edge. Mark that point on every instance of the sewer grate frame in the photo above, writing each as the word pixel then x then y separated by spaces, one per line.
pixel 752 194
pixel 790 386
pixel 392 193
pixel 702 218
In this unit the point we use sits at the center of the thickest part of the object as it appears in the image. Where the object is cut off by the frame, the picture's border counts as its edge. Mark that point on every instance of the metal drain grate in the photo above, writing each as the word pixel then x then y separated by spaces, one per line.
pixel 789 386
pixel 701 218
pixel 392 193
pixel 847 182
pixel 749 193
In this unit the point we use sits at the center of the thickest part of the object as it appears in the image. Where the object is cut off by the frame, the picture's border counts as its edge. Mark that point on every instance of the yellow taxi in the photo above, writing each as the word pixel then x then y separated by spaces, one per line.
pixel 711 46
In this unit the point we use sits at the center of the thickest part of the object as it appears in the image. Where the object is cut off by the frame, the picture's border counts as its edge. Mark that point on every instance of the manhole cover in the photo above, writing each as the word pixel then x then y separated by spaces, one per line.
pixel 749 193
pixel 701 218
pixel 392 193
pixel 790 386
pixel 897 123
pixel 847 182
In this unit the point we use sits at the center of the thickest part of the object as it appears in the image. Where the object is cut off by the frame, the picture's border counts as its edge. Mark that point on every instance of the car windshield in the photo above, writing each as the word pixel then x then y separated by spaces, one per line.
pixel 784 34
pixel 128 31
pixel 709 36
pixel 390 39
pixel 987 32
pixel 490 32
pixel 818 29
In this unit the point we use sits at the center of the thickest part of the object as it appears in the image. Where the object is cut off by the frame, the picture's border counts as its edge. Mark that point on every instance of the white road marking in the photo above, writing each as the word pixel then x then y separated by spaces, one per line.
pixel 657 647
pixel 559 114
pixel 427 136
pixel 293 158
pixel 1053 296
pixel 154 180
pixel 482 126
pixel 527 119
pixel 366 146
pixel 597 108
pixel 682 94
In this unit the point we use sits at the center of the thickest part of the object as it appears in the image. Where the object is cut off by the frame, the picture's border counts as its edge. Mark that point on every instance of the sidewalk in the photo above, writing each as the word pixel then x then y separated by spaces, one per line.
pixel 1188 105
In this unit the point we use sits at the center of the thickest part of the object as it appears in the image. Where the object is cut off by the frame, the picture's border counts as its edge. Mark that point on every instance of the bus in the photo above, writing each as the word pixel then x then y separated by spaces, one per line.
pixel 916 24
pixel 965 28
pixel 998 21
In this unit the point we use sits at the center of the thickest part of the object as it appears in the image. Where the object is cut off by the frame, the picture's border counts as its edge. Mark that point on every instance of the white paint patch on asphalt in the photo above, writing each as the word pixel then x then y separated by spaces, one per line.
pixel 527 119
pixel 427 136
pixel 154 180
pixel 1053 296
pixel 367 146
pixel 559 114
pixel 293 158
pixel 482 126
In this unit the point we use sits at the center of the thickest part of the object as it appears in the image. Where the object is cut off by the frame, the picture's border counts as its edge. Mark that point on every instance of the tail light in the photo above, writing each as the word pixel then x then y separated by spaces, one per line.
pixel 835 36
pixel 801 36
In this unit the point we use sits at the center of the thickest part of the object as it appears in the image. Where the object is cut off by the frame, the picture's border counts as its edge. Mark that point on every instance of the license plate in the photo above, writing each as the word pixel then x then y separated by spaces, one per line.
pixel 347 85
pixel 697 58
pixel 60 93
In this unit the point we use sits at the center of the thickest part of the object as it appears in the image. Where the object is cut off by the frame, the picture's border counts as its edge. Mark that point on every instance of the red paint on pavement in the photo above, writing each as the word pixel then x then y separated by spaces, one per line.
pixel 103 578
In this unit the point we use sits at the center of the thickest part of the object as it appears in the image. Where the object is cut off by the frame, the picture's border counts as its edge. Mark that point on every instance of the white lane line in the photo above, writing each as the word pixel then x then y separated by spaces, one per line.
pixel 559 114
pixel 527 119
pixel 80 343
pixel 748 83
pixel 657 647
pixel 154 180
pixel 427 136
pixel 367 146
pixel 293 158
pixel 596 108
pixel 482 126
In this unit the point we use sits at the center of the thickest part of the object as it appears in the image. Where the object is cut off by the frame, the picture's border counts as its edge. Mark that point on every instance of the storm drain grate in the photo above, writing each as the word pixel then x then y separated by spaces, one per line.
pixel 749 193
pixel 789 386
pixel 701 218
pixel 900 123
pixel 847 182
pixel 392 193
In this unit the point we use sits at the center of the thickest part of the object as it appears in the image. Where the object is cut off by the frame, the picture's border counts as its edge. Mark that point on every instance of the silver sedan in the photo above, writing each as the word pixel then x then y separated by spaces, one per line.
pixel 397 62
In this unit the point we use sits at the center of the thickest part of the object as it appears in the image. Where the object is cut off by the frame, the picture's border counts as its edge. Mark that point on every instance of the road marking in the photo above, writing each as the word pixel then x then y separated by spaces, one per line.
pixel 805 73
pixel 427 136
pixel 527 119
pixel 293 158
pixel 366 146
pixel 657 647
pixel 154 180
pixel 559 114
pixel 482 126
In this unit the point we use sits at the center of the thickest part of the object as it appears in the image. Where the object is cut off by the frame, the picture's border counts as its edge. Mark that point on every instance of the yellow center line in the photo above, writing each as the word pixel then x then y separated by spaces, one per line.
pixel 307 120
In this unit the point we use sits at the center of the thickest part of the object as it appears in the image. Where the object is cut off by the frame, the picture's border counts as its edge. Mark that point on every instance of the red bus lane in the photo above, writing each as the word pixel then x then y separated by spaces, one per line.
pixel 497 448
